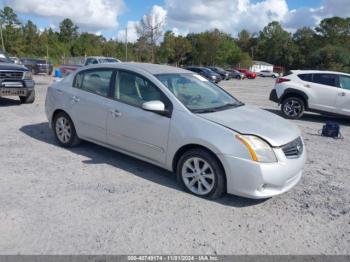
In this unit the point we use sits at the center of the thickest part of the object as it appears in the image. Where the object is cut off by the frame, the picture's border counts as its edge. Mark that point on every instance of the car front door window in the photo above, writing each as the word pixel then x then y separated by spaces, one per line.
pixel 135 90
pixel 344 82
pixel 343 98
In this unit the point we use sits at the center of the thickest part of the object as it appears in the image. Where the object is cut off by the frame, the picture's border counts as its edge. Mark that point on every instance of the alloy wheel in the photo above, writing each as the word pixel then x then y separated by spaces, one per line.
pixel 198 176
pixel 63 130
pixel 292 108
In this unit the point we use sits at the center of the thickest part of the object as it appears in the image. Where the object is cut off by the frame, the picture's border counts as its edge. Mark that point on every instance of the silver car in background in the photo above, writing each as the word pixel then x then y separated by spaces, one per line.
pixel 180 121
pixel 268 73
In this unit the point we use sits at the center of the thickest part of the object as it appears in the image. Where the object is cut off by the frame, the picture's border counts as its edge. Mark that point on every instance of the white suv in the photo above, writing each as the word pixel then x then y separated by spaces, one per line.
pixel 268 73
pixel 311 90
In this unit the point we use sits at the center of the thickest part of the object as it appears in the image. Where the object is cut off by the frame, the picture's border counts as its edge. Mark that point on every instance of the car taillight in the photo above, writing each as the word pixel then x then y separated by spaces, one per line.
pixel 281 80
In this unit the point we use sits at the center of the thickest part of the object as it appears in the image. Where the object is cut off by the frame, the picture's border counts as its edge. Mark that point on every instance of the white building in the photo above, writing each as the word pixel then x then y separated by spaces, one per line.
pixel 260 65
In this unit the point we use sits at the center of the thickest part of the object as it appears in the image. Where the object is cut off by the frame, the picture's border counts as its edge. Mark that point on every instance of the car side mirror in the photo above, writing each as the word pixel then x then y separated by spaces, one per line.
pixel 154 106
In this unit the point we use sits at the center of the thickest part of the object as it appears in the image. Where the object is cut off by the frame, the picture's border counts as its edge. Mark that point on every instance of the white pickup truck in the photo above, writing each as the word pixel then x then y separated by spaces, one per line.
pixel 70 67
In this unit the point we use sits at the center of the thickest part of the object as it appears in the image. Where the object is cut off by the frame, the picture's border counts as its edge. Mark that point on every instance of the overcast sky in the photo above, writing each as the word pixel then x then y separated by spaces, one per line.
pixel 110 17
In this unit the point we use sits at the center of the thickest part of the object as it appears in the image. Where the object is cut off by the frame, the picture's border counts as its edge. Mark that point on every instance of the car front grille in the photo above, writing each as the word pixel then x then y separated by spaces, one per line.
pixel 11 75
pixel 293 149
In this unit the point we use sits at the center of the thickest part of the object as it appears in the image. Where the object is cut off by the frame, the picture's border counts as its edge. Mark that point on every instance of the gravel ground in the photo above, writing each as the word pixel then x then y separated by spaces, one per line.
pixel 91 200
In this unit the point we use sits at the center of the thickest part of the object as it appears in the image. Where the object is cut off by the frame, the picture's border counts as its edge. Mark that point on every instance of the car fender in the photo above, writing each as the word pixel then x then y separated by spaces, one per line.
pixel 292 91
pixel 195 130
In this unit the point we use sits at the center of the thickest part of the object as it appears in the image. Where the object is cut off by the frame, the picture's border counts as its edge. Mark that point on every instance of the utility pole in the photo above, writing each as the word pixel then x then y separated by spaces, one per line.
pixel 2 39
pixel 252 49
pixel 47 55
pixel 126 44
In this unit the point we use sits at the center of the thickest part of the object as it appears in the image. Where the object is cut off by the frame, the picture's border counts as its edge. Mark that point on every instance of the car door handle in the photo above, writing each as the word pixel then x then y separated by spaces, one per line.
pixel 115 113
pixel 307 85
pixel 75 99
pixel 342 94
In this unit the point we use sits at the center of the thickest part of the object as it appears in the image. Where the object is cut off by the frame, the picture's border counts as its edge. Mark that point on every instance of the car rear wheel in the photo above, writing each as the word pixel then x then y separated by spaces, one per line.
pixel 293 107
pixel 200 173
pixel 29 99
pixel 65 131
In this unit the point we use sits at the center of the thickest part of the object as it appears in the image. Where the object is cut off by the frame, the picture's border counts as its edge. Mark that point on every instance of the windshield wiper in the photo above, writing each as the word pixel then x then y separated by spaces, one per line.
pixel 227 105
pixel 218 108
pixel 205 110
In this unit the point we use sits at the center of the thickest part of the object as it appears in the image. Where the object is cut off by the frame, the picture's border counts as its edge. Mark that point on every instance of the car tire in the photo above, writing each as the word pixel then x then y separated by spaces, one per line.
pixel 29 99
pixel 201 174
pixel 64 130
pixel 238 77
pixel 273 76
pixel 293 107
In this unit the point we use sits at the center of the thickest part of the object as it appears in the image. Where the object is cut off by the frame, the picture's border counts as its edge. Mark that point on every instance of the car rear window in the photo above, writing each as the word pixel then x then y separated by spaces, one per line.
pixel 305 77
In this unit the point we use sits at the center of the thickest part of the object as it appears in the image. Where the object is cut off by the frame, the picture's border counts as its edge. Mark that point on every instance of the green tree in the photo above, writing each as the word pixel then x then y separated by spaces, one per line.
pixel 306 41
pixel 67 35
pixel 181 48
pixel 87 44
pixel 335 30
pixel 68 31
pixel 31 38
pixel 167 48
pixel 275 45
pixel 8 17
pixel 11 31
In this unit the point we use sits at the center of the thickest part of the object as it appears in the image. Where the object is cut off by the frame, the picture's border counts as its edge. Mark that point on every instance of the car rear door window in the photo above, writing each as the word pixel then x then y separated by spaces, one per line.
pixel 305 77
pixel 344 82
pixel 325 79
pixel 94 81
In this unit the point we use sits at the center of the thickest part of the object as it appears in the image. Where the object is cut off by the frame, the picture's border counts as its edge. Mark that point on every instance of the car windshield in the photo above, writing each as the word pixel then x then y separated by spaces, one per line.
pixel 206 70
pixel 108 60
pixel 197 93
pixel 5 59
pixel 221 70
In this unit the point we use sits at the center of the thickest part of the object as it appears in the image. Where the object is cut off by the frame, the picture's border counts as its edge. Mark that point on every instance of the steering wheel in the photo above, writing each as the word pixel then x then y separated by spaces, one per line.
pixel 195 99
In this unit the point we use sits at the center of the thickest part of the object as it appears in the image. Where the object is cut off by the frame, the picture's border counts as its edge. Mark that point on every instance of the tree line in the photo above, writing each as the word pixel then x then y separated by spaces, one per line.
pixel 326 46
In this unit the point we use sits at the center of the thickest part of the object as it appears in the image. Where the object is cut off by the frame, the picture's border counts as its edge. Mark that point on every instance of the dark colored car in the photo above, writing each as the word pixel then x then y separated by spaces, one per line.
pixel 37 66
pixel 16 80
pixel 249 74
pixel 223 73
pixel 205 72
pixel 236 74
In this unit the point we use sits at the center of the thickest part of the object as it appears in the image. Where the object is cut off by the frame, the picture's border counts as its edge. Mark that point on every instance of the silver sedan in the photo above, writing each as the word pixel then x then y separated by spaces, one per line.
pixel 179 121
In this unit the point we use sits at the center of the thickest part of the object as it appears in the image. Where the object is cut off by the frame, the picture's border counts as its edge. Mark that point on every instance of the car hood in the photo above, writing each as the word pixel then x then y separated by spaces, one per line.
pixel 254 121
pixel 12 66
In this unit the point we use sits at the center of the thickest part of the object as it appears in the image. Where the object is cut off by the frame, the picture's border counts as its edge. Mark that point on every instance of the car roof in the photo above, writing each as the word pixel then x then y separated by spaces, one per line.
pixel 153 69
pixel 317 72
pixel 102 57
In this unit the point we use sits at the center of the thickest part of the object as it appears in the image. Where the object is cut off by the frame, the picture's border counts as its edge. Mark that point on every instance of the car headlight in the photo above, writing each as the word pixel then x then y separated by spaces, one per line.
pixel 28 75
pixel 259 150
pixel 213 77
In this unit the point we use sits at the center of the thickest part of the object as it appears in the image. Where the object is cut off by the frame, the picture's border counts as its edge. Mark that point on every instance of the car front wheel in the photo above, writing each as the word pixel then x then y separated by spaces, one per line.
pixel 65 131
pixel 293 107
pixel 29 98
pixel 200 173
